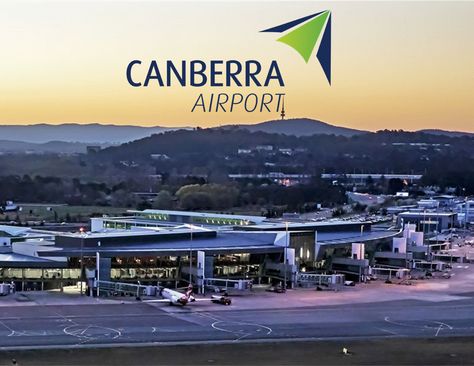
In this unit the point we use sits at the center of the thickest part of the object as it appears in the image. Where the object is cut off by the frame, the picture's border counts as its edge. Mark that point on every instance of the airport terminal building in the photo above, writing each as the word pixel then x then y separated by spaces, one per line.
pixel 153 246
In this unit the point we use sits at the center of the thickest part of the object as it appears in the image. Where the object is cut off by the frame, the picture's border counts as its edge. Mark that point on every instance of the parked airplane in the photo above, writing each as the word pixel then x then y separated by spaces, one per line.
pixel 174 297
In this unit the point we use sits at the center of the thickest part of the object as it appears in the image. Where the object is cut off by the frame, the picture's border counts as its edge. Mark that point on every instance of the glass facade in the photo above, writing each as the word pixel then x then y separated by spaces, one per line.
pixel 38 273
pixel 163 217
pixel 143 273
pixel 304 245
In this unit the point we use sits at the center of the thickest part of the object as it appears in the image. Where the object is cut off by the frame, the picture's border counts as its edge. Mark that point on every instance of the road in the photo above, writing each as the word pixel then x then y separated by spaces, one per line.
pixel 147 323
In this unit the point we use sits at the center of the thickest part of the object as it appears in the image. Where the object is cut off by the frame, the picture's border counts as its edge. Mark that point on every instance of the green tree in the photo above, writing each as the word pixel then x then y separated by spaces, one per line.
pixel 196 201
pixel 358 207
pixel 163 200
pixel 207 196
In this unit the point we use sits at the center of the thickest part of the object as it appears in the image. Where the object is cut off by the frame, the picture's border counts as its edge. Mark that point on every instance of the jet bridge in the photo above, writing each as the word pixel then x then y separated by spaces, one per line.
pixel 391 273
pixel 231 287
pixel 330 282
pixel 109 288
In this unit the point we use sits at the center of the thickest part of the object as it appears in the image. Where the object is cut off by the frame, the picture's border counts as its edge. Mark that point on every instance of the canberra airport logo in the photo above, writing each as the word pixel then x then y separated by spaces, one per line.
pixel 305 33
pixel 252 85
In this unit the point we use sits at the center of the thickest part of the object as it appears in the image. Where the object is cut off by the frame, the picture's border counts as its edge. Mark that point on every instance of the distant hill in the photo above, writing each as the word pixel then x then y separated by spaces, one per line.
pixel 101 134
pixel 72 132
pixel 447 133
pixel 299 127
pixel 56 147
pixel 209 143
pixel 217 152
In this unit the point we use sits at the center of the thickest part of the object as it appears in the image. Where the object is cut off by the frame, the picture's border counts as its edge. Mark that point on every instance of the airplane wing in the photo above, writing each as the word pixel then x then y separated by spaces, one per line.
pixel 157 300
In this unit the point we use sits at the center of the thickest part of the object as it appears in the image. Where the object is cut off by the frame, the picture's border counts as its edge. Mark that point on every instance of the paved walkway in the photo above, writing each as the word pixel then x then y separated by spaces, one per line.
pixel 435 289
pixel 31 298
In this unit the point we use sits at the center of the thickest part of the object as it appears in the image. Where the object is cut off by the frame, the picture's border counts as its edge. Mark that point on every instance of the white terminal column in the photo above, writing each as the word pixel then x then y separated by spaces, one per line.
pixel 358 250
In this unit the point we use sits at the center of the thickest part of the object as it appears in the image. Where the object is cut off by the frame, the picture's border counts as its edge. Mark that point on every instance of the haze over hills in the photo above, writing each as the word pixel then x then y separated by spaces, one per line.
pixel 447 133
pixel 55 147
pixel 73 132
pixel 103 134
pixel 196 156
pixel 96 133
pixel 300 127
pixel 206 143
pixel 307 127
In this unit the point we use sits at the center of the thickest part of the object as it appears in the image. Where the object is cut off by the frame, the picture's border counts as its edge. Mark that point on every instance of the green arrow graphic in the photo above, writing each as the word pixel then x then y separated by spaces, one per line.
pixel 304 38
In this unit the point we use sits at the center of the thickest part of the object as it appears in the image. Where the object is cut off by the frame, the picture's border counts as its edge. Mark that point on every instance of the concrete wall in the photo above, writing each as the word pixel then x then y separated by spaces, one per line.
pixel 97 224
pixel 358 251
pixel 399 245
pixel 4 241
pixel 408 229
pixel 416 238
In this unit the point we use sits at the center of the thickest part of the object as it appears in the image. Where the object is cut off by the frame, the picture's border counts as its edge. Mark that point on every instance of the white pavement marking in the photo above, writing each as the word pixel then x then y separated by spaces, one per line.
pixel 85 329
pixel 10 329
pixel 31 333
pixel 242 337
pixel 445 325
pixel 388 331
pixel 438 328
pixel 222 330
pixel 241 332
pixel 207 315
pixel 88 332
pixel 442 326
pixel 387 319
pixel 213 325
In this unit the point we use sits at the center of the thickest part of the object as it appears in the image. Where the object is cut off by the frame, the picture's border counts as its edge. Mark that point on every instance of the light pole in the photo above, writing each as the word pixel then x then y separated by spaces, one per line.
pixel 406 242
pixel 284 255
pixel 191 256
pixel 465 215
pixel 428 247
pixel 424 222
pixel 98 269
pixel 82 258
pixel 451 230
pixel 437 227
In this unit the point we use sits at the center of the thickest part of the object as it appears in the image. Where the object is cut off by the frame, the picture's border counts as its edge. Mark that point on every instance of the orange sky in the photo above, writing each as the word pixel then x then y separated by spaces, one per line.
pixel 396 65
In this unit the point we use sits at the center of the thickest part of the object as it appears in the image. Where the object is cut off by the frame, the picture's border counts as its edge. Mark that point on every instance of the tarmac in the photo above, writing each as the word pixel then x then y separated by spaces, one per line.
pixel 430 308
pixel 385 351
pixel 435 289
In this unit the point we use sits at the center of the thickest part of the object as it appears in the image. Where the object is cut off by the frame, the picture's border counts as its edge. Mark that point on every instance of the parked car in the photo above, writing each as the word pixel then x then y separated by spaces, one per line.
pixel 278 289
pixel 223 300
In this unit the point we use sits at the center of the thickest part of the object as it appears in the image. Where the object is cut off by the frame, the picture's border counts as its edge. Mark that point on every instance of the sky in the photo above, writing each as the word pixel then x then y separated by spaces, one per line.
pixel 395 64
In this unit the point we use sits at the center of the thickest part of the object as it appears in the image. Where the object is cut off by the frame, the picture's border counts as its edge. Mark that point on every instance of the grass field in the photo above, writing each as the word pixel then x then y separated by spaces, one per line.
pixel 389 351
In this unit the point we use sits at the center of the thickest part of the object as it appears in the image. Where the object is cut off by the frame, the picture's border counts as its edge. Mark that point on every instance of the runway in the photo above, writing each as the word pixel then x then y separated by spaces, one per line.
pixel 145 323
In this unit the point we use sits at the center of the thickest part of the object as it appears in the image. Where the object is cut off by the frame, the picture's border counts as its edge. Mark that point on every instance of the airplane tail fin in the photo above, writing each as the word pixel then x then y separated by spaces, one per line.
pixel 189 292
